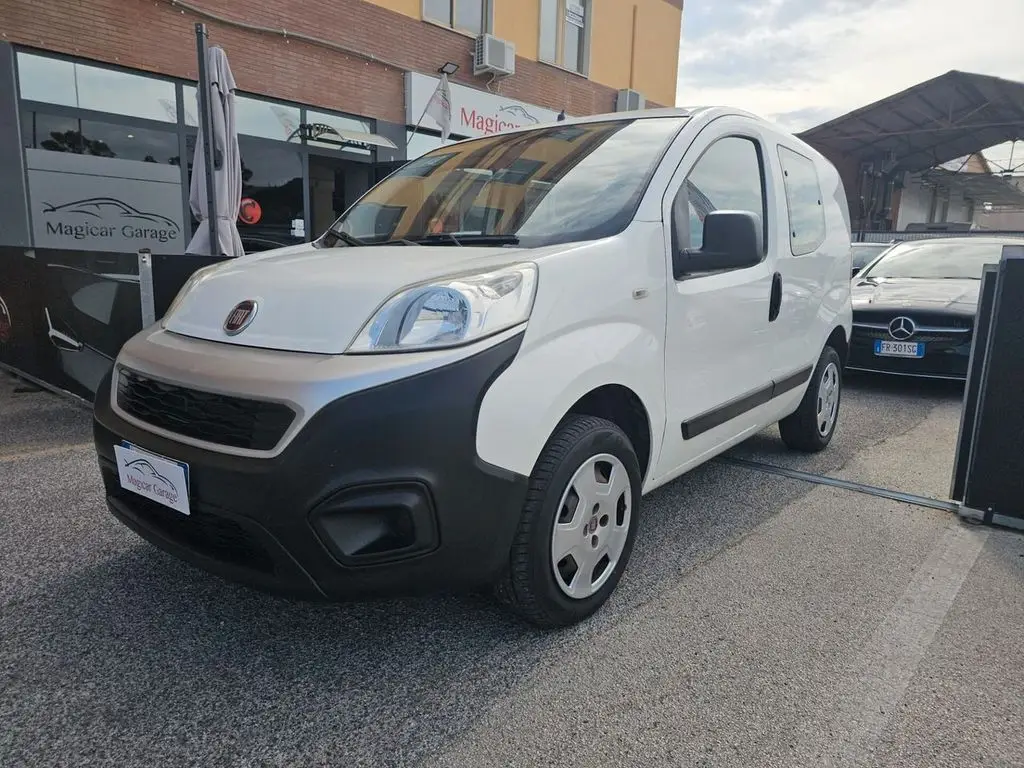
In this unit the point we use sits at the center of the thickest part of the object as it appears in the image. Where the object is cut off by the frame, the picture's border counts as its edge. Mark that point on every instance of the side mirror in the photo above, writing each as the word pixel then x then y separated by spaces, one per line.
pixel 732 240
pixel 854 271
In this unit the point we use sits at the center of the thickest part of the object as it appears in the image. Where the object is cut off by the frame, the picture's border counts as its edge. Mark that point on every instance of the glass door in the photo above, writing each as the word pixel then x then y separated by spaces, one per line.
pixel 334 185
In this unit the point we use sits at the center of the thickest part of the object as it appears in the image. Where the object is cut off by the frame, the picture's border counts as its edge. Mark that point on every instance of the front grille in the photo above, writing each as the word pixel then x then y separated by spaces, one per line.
pixel 205 534
pixel 930 336
pixel 231 421
pixel 924 319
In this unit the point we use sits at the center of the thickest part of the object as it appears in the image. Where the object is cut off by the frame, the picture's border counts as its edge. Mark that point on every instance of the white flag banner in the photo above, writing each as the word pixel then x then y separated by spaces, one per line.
pixel 440 106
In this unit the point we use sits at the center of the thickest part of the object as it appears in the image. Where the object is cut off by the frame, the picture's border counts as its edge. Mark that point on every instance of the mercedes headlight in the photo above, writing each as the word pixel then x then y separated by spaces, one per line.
pixel 191 283
pixel 450 312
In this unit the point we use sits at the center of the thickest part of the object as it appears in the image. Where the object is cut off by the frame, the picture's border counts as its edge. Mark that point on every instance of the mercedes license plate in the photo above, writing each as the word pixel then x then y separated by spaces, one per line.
pixel 898 348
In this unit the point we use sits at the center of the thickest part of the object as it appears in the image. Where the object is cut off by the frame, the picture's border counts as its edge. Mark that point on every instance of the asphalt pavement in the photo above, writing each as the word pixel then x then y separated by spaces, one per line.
pixel 763 621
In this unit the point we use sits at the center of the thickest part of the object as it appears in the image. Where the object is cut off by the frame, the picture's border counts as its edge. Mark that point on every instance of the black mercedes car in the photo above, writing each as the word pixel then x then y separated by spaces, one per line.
pixel 914 307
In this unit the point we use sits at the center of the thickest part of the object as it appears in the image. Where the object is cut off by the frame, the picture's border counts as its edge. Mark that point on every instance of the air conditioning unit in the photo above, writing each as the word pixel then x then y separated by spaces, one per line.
pixel 494 55
pixel 630 101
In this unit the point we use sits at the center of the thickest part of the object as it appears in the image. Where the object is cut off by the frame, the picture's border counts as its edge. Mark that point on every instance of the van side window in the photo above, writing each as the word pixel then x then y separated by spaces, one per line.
pixel 804 201
pixel 729 176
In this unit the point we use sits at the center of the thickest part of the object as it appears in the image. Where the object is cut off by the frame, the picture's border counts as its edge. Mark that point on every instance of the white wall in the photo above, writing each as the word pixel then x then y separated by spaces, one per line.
pixel 916 204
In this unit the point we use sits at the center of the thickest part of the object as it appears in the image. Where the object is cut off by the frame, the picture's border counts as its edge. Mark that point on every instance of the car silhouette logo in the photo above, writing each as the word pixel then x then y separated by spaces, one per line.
pixel 902 328
pixel 110 207
pixel 525 118
pixel 145 468
pixel 240 317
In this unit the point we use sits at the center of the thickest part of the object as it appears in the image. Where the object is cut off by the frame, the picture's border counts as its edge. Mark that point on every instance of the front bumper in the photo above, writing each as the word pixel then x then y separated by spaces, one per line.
pixel 944 358
pixel 381 492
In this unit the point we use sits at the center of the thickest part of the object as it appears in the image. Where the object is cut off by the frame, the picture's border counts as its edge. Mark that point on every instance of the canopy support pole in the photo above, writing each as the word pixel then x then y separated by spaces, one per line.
pixel 206 121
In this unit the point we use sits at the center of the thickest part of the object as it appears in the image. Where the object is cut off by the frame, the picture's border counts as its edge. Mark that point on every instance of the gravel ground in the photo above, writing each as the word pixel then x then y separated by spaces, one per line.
pixel 762 621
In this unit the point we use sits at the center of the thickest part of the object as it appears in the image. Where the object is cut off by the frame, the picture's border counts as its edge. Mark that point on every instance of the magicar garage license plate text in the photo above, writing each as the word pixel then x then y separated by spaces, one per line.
pixel 898 348
pixel 156 478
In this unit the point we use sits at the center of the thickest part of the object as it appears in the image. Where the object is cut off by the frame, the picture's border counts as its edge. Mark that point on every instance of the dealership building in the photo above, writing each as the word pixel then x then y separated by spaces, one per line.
pixel 102 96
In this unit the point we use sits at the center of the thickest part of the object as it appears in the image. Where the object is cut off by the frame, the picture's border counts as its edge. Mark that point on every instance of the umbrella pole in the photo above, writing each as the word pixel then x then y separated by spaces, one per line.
pixel 206 121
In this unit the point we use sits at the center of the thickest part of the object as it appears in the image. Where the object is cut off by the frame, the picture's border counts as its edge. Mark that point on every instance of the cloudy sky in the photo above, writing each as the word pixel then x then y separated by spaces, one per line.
pixel 801 62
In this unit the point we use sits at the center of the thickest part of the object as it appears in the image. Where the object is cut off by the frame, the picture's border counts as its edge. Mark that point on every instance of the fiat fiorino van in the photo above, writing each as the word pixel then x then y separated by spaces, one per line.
pixel 474 376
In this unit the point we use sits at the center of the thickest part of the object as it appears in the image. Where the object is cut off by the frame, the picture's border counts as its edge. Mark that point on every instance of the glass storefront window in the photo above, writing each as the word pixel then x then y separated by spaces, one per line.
pixel 53 132
pixel 189 105
pixel 272 176
pixel 266 119
pixel 421 143
pixel 130 143
pixel 338 123
pixel 261 118
pixel 89 137
pixel 48 80
pixel 70 84
pixel 105 90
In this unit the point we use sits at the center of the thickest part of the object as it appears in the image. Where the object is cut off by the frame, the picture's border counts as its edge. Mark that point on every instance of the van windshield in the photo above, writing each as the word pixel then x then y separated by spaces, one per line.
pixel 559 184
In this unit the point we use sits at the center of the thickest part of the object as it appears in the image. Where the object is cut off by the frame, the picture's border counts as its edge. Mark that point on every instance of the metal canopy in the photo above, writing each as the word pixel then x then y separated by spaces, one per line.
pixel 980 187
pixel 933 122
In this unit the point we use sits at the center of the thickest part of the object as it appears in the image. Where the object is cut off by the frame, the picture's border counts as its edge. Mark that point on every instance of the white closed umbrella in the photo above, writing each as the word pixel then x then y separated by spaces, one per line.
pixel 227 179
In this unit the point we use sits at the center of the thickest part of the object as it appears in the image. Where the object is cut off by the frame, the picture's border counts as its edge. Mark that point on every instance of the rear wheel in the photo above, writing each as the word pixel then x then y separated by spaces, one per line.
pixel 576 530
pixel 811 426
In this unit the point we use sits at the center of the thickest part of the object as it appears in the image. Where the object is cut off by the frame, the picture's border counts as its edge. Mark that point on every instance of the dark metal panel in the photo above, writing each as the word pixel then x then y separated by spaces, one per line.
pixel 14 222
pixel 397 134
pixel 995 476
pixel 171 272
pixel 21 321
pixel 972 389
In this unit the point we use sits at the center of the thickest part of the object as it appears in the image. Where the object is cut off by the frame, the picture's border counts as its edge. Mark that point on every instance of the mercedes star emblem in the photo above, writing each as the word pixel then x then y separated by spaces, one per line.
pixel 240 317
pixel 902 328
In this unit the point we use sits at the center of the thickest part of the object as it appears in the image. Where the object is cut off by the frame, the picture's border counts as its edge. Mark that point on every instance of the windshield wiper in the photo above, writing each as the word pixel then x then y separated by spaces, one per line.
pixel 355 242
pixel 346 238
pixel 396 241
pixel 468 239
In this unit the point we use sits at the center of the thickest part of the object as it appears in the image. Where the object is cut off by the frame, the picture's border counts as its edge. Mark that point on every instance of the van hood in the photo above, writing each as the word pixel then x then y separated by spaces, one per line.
pixel 312 299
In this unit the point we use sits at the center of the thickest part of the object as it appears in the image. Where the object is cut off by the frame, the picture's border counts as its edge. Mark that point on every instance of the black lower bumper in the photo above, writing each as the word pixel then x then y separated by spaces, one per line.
pixel 943 359
pixel 381 493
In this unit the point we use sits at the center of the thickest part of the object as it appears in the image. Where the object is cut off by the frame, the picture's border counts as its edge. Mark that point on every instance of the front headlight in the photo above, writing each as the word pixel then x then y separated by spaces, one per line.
pixel 450 312
pixel 191 283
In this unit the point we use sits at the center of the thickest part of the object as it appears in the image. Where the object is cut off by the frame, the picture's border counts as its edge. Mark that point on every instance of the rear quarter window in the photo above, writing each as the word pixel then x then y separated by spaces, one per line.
pixel 804 202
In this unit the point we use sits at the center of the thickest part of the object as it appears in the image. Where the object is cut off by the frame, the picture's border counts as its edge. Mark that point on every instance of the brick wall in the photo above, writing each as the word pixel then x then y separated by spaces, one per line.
pixel 157 36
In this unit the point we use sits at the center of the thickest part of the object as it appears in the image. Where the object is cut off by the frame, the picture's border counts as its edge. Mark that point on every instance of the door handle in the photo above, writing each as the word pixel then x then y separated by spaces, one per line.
pixel 58 339
pixel 775 305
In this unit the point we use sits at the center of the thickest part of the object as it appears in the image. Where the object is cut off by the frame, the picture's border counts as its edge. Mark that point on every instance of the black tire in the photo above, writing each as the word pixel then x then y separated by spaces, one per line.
pixel 528 587
pixel 800 430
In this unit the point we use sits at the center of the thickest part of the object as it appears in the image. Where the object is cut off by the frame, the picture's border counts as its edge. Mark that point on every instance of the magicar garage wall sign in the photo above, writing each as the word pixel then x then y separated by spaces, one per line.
pixel 80 202
pixel 474 113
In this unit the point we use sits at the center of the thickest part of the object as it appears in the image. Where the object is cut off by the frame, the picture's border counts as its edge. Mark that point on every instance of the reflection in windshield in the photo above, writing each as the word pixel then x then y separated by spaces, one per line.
pixel 549 185
pixel 931 261
pixel 862 254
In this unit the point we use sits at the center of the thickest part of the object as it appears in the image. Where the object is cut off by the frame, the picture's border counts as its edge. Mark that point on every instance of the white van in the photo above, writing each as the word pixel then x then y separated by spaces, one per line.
pixel 474 376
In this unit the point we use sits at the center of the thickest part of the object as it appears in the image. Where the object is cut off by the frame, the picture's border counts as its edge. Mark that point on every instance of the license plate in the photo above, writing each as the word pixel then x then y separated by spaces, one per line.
pixel 154 477
pixel 899 348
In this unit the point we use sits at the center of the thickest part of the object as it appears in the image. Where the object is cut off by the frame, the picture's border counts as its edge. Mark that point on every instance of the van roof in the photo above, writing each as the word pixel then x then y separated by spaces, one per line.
pixel 659 112
pixel 974 239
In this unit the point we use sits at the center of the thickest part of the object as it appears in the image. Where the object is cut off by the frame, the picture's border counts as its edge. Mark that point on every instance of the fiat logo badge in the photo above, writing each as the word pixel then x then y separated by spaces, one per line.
pixel 240 317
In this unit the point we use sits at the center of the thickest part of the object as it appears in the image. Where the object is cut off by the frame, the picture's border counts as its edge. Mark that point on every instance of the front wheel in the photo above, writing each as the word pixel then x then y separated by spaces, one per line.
pixel 576 530
pixel 810 428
